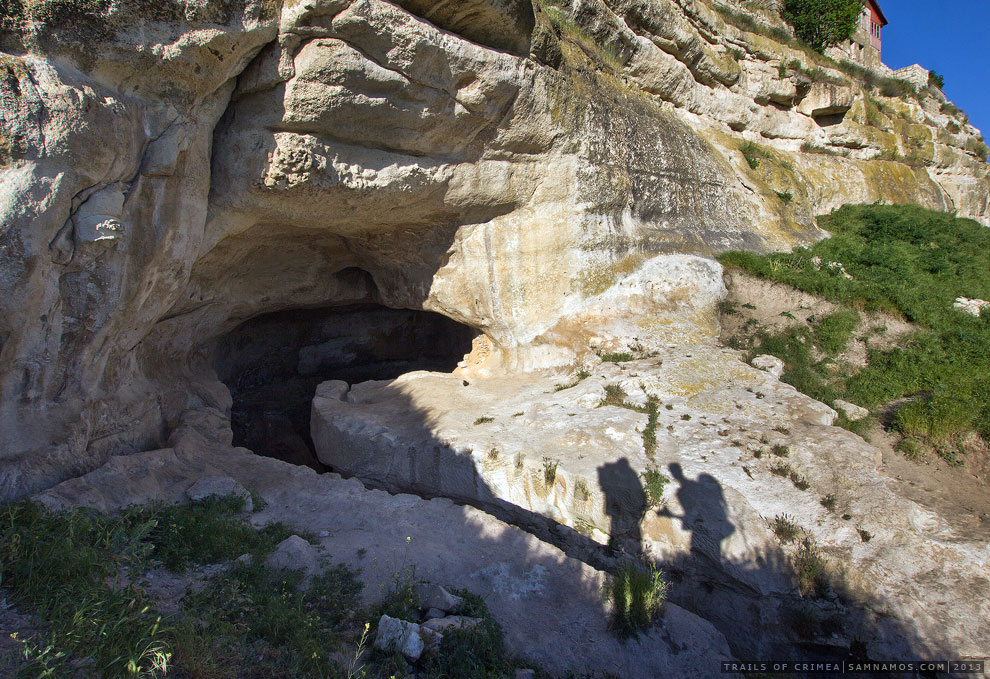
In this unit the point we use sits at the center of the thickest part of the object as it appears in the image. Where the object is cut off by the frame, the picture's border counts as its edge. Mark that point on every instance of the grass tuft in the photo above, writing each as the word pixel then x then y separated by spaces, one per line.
pixel 784 528
pixel 636 595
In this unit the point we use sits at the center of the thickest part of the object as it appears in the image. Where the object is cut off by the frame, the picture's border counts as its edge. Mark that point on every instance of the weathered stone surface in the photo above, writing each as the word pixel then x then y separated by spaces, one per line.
pixel 450 622
pixel 410 154
pixel 536 593
pixel 771 364
pixel 973 307
pixel 570 470
pixel 219 486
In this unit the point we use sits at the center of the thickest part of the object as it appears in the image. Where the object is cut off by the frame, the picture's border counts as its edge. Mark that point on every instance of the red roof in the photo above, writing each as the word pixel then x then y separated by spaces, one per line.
pixel 876 8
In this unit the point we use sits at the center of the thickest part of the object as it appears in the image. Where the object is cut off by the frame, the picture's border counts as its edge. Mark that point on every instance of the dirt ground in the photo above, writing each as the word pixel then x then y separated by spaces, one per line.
pixel 958 493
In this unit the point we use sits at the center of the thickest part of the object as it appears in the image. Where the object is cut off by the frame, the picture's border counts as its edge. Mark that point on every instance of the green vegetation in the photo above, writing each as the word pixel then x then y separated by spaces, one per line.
pixel 471 653
pixel 810 567
pixel 650 431
pixel 823 23
pixel 616 357
pixel 977 147
pixel 581 375
pixel 615 395
pixel 784 528
pixel 785 196
pixel 636 594
pixel 781 469
pixel 753 153
pixel 483 420
pixel 828 502
pixel 251 609
pixel 654 483
pixel 549 471
pixel 936 80
pixel 800 482
pixel 567 30
pixel 80 572
pixel 905 261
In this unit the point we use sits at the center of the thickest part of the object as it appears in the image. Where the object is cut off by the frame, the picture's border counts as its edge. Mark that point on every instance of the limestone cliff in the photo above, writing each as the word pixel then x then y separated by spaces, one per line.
pixel 172 170
pixel 201 198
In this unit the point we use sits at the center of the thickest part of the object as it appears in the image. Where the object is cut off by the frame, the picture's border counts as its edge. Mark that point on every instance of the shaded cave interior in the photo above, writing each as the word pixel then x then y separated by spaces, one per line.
pixel 273 363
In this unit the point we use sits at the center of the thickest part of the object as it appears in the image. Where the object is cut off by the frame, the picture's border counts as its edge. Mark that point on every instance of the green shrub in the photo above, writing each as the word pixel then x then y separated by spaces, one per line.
pixel 784 528
pixel 484 420
pixel 936 80
pixel 978 148
pixel 470 653
pixel 781 469
pixel 810 568
pixel 650 431
pixel 834 331
pixel 549 471
pixel 800 482
pixel 951 109
pixel 785 196
pixel 615 395
pixel 616 356
pixel 636 595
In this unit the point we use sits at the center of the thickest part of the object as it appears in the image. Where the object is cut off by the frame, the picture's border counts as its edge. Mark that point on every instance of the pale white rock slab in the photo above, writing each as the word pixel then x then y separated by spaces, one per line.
pixel 771 364
pixel 851 410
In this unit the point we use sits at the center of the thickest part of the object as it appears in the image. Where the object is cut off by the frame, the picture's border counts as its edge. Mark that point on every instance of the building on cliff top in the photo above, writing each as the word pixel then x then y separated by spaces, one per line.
pixel 864 47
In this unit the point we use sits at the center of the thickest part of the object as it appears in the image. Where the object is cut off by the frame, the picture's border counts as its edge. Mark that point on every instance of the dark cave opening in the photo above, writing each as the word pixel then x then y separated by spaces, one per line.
pixel 273 363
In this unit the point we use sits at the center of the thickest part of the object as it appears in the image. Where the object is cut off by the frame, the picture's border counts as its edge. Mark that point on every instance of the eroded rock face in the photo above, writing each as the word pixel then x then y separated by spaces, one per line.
pixel 195 168
pixel 739 448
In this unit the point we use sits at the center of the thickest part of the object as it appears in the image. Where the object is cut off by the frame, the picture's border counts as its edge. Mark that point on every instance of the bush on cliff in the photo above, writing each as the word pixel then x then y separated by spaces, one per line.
pixel 823 23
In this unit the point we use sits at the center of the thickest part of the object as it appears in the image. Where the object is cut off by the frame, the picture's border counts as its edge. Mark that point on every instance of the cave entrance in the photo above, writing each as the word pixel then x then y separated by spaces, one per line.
pixel 273 363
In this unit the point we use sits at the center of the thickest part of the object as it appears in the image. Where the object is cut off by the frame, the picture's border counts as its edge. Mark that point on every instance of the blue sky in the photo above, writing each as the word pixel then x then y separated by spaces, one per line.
pixel 951 37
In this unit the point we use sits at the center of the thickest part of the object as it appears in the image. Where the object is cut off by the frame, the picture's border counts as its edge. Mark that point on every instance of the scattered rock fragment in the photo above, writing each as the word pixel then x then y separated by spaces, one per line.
pixel 399 635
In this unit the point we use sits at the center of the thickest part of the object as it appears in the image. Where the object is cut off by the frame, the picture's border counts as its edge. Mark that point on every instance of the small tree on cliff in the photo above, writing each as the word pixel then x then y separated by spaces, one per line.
pixel 823 23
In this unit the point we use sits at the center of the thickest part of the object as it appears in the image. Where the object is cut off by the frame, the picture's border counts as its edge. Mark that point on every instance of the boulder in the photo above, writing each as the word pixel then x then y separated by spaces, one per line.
pixel 399 635
pixel 851 410
pixel 294 554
